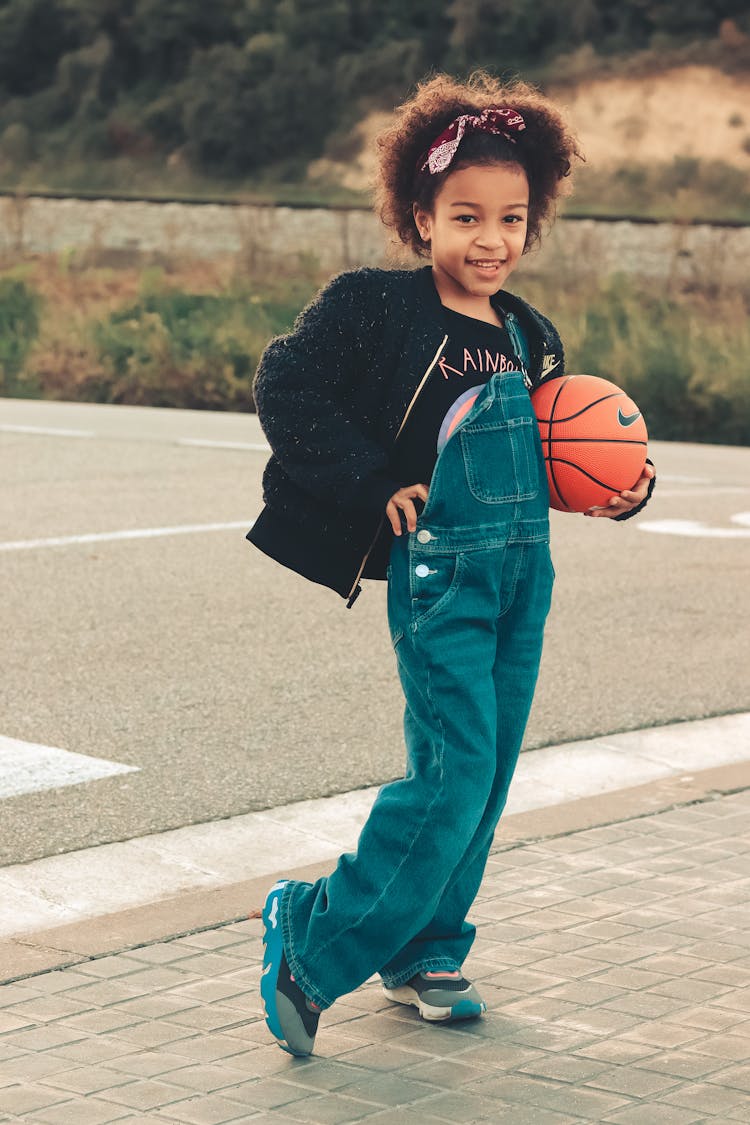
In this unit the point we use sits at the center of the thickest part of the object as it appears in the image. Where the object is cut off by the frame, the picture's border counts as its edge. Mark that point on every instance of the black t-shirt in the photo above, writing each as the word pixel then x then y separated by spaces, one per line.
pixel 475 350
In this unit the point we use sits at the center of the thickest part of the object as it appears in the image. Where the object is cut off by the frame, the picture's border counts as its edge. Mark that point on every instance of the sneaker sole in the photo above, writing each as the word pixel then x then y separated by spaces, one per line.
pixel 273 948
pixel 461 1010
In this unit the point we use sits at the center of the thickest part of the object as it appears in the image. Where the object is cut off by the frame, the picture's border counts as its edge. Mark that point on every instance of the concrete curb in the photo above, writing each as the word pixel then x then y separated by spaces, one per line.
pixel 62 946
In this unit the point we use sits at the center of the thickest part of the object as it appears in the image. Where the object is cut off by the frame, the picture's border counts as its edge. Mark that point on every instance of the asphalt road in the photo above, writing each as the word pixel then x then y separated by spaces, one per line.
pixel 233 685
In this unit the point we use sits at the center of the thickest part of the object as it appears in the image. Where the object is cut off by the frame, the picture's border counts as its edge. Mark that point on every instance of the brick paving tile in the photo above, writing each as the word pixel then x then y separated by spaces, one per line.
pixel 736 1077
pixel 517 1115
pixel 657 1115
pixel 337 1110
pixel 101 1021
pixel 210 1047
pixel 30 1068
pixel 209 1017
pixel 224 937
pixel 159 1006
pixel 683 1064
pixel 689 989
pixel 93 1050
pixel 576 1100
pixel 651 1003
pixel 565 1069
pixel 211 1110
pixel 598 1021
pixel 149 1064
pixel 153 1033
pixel 726 974
pixel 43 1038
pixel 707 1099
pixel 388 1089
pixel 440 1076
pixel 165 953
pixel 662 1034
pixel 615 1049
pixel 106 993
pixel 145 1094
pixel 10 1020
pixel 211 964
pixel 633 1081
pixel 457 1106
pixel 85 1080
pixel 29 1098
pixel 712 1019
pixel 418 1115
pixel 79 1112
pixel 207 1078
pixel 58 980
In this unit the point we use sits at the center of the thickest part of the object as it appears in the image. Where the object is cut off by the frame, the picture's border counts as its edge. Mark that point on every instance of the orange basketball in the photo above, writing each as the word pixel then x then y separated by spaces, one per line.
pixel 594 440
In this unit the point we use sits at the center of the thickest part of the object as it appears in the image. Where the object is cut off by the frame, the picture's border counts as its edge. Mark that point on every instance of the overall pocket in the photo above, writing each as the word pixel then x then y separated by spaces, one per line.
pixel 500 460
pixel 434 580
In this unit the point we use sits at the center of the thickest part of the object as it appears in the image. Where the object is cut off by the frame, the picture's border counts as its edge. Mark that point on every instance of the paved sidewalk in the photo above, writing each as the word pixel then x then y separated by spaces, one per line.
pixel 615 962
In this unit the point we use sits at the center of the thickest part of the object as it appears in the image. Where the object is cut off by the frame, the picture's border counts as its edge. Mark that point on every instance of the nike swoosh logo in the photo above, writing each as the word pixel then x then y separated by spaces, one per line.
pixel 549 363
pixel 627 419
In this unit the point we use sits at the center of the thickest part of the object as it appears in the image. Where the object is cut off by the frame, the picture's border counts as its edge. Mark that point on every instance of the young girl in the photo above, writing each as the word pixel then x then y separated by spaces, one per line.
pixel 405 447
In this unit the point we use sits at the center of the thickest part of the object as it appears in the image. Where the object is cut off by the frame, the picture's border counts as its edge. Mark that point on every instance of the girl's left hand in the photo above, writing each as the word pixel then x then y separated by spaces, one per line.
pixel 627 500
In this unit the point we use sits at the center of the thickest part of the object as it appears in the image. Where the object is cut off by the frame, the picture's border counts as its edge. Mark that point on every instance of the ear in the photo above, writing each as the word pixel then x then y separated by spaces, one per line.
pixel 423 222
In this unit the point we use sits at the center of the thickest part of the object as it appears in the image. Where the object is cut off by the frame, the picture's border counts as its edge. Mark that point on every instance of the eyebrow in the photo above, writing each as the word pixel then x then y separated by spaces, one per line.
pixel 468 203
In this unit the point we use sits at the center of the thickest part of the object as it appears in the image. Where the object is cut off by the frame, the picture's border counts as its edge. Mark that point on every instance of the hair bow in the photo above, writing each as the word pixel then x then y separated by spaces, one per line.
pixel 491 120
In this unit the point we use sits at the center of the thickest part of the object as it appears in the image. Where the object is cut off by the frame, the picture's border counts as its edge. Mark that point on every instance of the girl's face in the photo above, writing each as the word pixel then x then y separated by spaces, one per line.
pixel 477 231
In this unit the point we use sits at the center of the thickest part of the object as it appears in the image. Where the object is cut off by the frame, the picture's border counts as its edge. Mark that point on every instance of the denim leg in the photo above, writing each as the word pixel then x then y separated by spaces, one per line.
pixel 526 598
pixel 340 930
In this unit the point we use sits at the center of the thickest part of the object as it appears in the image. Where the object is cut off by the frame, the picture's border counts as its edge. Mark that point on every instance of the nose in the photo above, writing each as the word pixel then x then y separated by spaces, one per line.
pixel 491 238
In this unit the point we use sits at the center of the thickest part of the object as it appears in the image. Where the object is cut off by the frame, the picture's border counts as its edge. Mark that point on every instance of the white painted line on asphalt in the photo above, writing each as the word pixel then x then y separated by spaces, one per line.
pixel 722 490
pixel 136 533
pixel 695 529
pixel 205 443
pixel 679 478
pixel 49 431
pixel 27 767
pixel 112 877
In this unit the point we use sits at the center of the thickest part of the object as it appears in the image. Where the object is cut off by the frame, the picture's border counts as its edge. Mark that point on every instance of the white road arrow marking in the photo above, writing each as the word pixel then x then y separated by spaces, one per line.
pixel 27 767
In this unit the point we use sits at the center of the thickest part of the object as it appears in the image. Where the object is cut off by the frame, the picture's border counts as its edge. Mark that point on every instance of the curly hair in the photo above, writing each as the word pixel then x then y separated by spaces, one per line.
pixel 545 150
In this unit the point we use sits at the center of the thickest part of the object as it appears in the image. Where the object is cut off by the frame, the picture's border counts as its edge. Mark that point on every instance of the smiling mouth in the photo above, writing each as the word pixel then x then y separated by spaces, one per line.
pixel 486 263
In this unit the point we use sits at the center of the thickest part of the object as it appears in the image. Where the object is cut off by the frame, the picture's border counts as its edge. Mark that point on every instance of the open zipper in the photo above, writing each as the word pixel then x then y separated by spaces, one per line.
pixel 356 588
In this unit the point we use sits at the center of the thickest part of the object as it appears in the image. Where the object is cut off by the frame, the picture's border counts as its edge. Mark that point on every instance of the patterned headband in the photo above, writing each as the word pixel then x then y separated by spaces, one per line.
pixel 491 120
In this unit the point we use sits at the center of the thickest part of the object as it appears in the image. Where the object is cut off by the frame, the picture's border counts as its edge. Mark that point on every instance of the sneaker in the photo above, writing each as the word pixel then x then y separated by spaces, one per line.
pixel 291 1017
pixel 439 996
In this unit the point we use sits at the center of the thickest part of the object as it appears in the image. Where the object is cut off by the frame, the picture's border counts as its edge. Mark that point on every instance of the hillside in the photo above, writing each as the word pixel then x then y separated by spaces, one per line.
pixel 695 112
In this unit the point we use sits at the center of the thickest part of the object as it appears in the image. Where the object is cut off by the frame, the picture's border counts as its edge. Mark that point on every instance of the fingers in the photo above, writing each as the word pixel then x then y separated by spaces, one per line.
pixel 613 507
pixel 393 510
pixel 403 501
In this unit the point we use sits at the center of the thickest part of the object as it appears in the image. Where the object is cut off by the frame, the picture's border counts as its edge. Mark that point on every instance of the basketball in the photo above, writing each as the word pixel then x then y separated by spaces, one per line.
pixel 594 440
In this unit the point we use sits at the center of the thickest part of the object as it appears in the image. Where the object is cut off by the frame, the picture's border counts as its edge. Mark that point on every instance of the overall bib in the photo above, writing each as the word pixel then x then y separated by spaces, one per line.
pixel 468 596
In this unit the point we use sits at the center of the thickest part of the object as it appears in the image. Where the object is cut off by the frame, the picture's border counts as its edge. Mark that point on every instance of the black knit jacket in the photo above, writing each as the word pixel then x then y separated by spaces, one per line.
pixel 331 396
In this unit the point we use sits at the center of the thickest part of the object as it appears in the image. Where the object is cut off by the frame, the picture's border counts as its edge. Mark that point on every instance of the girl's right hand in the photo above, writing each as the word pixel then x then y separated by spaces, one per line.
pixel 403 501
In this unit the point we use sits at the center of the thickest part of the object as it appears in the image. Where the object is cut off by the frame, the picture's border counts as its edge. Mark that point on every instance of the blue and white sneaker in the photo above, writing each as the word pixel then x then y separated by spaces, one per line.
pixel 439 996
pixel 291 1017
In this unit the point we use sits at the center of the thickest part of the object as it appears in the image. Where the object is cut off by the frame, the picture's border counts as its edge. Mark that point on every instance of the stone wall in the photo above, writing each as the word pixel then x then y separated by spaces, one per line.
pixel 278 238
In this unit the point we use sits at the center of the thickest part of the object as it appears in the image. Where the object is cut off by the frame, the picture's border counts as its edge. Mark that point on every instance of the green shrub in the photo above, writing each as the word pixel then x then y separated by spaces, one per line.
pixel 682 358
pixel 180 349
pixel 19 326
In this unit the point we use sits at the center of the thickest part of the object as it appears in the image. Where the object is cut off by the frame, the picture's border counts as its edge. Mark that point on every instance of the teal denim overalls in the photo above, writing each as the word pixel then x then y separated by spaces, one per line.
pixel 468 596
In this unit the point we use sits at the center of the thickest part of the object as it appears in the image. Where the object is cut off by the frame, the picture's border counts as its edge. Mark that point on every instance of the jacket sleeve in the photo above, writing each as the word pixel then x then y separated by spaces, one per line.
pixel 305 392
